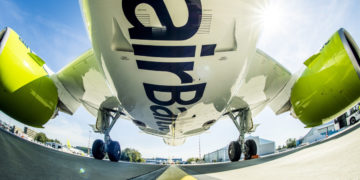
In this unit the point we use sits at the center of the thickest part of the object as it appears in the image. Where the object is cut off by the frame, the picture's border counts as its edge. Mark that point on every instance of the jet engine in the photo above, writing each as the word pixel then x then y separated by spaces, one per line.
pixel 330 84
pixel 27 94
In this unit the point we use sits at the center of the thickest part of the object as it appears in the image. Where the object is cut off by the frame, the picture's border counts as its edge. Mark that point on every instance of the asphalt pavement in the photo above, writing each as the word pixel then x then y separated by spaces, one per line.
pixel 21 159
pixel 337 157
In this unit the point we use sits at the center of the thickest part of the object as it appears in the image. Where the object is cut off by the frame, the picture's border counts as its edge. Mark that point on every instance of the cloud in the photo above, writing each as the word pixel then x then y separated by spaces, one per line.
pixel 59 128
pixel 62 44
pixel 56 39
pixel 10 10
pixel 64 130
pixel 303 29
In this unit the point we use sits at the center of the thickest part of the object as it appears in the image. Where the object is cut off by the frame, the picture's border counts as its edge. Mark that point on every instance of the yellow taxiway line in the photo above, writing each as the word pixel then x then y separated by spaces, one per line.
pixel 175 173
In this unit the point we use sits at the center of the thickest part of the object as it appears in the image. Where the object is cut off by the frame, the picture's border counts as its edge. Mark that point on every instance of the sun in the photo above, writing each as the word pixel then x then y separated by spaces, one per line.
pixel 272 16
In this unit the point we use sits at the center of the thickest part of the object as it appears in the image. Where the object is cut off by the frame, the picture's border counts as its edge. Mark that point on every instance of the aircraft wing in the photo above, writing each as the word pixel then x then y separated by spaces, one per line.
pixel 81 83
pixel 266 83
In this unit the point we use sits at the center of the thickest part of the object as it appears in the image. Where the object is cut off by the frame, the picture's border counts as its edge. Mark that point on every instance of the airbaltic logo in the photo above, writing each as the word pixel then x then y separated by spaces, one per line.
pixel 168 33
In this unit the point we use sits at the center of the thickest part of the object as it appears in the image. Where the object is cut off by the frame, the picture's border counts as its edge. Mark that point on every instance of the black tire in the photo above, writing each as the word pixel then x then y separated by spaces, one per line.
pixel 251 149
pixel 352 121
pixel 98 149
pixel 114 151
pixel 234 151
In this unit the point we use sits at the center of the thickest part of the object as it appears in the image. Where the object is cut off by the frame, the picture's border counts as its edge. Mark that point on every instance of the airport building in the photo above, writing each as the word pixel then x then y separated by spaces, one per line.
pixel 31 133
pixel 17 130
pixel 264 147
pixel 220 155
pixel 54 145
pixel 158 160
pixel 318 133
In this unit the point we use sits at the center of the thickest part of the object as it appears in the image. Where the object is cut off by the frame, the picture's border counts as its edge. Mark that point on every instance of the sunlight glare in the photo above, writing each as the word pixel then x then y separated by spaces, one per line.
pixel 272 17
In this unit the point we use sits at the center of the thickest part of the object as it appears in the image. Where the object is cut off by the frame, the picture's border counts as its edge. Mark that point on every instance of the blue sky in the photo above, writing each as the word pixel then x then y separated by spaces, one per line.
pixel 297 30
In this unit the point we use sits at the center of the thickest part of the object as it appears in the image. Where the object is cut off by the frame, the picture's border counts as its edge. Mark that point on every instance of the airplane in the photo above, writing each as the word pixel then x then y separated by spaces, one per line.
pixel 174 68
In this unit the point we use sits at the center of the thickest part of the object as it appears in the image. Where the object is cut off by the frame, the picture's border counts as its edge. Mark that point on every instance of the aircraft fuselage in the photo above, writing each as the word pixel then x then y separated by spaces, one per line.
pixel 175 66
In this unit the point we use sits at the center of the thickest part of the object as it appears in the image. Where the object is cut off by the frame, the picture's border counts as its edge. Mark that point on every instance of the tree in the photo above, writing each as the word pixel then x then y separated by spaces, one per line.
pixel 131 155
pixel 190 160
pixel 84 149
pixel 41 137
pixel 290 143
pixel 57 141
pixel 53 140
pixel 193 160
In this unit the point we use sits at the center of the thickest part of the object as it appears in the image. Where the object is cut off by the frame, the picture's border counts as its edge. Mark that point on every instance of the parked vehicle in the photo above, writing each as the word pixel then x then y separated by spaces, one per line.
pixel 353 115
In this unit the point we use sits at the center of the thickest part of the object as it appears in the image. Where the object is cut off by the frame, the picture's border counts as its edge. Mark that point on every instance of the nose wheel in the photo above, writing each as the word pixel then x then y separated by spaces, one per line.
pixel 100 147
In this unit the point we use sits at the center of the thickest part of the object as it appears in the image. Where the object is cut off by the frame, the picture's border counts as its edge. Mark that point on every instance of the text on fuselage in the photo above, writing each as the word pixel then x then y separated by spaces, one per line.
pixel 168 32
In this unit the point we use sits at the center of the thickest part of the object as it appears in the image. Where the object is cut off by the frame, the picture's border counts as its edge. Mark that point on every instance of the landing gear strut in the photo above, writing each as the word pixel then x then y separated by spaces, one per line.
pixel 104 126
pixel 241 119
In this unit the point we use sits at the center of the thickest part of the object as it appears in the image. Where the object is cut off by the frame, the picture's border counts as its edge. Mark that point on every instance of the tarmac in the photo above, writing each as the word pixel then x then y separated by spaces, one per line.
pixel 22 159
pixel 337 157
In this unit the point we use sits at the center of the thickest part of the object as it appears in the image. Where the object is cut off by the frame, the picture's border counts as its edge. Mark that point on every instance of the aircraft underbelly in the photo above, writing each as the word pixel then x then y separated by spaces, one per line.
pixel 174 79
pixel 214 83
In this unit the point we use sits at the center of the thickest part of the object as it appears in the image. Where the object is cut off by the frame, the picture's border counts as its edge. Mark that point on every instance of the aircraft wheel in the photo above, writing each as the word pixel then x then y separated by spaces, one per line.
pixel 352 121
pixel 251 149
pixel 114 151
pixel 234 151
pixel 98 149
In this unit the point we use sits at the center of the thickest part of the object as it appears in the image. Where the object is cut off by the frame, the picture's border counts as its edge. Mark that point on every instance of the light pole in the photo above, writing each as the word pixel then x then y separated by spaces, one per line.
pixel 89 143
pixel 199 148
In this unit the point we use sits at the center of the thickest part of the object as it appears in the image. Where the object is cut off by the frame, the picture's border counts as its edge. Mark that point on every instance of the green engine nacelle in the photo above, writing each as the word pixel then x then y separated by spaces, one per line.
pixel 330 84
pixel 27 94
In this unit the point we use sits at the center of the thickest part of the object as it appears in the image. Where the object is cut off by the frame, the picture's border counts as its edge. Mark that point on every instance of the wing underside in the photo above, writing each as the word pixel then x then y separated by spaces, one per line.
pixel 82 82
pixel 267 84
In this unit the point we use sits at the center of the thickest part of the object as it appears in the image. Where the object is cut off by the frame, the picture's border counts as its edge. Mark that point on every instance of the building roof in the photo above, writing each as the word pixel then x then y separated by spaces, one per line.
pixel 265 141
pixel 330 123
pixel 261 140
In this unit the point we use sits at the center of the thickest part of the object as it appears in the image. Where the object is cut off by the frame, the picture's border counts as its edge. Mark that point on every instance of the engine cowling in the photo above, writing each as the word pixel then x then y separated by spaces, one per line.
pixel 330 84
pixel 27 94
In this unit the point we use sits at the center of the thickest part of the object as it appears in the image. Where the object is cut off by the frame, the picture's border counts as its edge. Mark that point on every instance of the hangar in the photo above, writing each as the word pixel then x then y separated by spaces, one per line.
pixel 264 147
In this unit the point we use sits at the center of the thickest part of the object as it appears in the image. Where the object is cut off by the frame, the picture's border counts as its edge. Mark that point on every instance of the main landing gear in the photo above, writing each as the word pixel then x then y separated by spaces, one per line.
pixel 103 125
pixel 241 119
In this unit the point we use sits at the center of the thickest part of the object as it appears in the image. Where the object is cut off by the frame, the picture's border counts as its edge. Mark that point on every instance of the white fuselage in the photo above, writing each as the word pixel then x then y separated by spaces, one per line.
pixel 175 66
